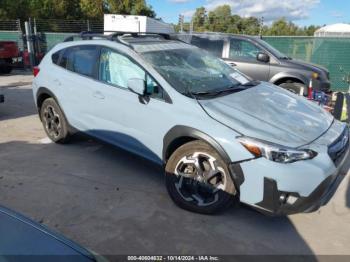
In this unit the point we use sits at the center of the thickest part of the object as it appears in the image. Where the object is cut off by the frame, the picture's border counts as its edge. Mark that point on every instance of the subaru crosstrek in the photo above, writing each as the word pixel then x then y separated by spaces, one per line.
pixel 220 136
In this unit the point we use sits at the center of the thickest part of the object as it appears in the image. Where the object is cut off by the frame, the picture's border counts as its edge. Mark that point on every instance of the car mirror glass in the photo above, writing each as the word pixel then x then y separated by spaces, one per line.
pixel 262 57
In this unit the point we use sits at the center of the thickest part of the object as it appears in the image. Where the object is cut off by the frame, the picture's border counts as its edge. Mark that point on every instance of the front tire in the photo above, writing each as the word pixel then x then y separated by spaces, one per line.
pixel 294 87
pixel 54 121
pixel 198 179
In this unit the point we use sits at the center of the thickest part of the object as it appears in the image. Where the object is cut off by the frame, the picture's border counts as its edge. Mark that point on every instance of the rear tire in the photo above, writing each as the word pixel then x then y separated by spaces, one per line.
pixel 198 179
pixel 294 87
pixel 5 69
pixel 54 121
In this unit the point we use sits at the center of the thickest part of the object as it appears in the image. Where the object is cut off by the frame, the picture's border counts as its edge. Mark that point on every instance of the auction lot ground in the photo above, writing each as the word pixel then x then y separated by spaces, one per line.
pixel 116 203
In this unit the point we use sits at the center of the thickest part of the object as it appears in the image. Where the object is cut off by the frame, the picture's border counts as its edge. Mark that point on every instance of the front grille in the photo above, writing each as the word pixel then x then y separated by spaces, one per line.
pixel 338 148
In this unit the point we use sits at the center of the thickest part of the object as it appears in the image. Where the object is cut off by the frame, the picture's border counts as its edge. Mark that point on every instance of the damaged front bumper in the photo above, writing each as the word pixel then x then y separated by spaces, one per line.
pixel 277 202
pixel 300 187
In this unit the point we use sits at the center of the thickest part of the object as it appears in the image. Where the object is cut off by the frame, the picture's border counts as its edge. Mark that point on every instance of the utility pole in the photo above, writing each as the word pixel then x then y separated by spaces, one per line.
pixel 181 22
pixel 29 43
pixel 261 26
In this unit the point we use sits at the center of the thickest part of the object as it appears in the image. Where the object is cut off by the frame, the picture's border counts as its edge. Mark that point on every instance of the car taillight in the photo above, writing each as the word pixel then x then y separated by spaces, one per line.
pixel 36 70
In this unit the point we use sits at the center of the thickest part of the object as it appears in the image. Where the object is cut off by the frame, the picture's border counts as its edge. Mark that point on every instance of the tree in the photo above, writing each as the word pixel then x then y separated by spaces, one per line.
pixel 133 7
pixel 71 9
pixel 92 8
pixel 199 19
pixel 220 18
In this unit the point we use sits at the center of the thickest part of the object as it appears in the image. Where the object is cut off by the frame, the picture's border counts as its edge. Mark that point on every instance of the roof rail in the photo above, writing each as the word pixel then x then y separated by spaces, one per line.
pixel 88 35
pixel 114 36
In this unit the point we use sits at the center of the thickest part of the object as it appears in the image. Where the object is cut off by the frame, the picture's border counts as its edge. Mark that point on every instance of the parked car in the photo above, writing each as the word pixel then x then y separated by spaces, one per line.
pixel 25 240
pixel 220 136
pixel 8 53
pixel 259 60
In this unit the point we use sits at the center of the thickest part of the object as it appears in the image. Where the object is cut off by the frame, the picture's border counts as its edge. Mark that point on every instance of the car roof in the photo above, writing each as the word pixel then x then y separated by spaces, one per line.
pixel 139 43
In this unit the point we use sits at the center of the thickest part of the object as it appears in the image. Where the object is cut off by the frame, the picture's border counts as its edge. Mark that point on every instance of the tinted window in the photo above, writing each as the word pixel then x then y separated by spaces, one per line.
pixel 67 59
pixel 81 59
pixel 213 46
pixel 117 69
pixel 55 57
pixel 242 50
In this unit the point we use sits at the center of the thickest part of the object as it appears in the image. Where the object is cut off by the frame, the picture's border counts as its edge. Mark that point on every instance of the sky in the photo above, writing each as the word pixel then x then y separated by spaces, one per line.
pixel 301 12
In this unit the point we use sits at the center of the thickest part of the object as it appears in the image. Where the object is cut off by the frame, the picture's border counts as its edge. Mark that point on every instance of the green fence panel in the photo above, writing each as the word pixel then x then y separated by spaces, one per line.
pixel 12 36
pixel 332 53
pixel 51 39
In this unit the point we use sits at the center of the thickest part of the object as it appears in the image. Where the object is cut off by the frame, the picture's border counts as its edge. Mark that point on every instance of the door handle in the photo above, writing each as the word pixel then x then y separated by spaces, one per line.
pixel 98 95
pixel 232 64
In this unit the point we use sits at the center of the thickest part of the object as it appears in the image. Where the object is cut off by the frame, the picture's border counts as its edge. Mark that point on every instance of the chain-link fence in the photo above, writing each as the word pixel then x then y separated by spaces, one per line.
pixel 67 26
pixel 10 30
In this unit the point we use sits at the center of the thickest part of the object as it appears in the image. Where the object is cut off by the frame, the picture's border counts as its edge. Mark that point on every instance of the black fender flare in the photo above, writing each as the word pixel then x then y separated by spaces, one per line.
pixel 44 91
pixel 185 131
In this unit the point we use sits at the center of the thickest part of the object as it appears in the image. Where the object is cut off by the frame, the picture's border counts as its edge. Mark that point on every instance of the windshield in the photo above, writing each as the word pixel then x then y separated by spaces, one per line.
pixel 271 49
pixel 191 70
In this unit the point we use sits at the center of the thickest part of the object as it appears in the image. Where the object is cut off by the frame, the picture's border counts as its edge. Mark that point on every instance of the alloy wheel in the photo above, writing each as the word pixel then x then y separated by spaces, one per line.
pixel 200 179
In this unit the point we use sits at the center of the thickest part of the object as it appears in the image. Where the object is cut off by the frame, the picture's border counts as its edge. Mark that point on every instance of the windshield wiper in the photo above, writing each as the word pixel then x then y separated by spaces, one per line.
pixel 251 83
pixel 218 92
pixel 232 89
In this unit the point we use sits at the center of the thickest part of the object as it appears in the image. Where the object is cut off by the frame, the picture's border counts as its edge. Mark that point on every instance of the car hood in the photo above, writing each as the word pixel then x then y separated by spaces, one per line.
pixel 306 66
pixel 270 113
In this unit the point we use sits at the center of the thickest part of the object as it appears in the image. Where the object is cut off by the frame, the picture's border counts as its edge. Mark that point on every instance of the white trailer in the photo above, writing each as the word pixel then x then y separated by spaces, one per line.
pixel 136 24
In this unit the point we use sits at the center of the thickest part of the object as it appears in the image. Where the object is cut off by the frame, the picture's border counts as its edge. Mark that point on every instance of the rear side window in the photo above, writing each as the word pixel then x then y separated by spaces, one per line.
pixel 80 59
pixel 213 46
pixel 55 57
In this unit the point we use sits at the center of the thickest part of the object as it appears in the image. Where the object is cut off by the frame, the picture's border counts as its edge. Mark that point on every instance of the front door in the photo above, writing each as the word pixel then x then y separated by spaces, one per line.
pixel 243 56
pixel 125 119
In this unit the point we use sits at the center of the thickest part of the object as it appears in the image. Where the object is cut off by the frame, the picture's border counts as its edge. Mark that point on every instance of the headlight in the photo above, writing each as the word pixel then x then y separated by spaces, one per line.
pixel 275 152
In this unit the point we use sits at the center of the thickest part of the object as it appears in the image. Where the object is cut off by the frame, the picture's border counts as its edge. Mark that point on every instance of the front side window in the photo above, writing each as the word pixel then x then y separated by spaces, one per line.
pixel 242 50
pixel 191 70
pixel 117 69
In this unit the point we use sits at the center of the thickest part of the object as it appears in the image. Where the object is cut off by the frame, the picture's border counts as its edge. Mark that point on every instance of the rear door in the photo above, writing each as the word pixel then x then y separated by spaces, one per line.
pixel 74 82
pixel 243 56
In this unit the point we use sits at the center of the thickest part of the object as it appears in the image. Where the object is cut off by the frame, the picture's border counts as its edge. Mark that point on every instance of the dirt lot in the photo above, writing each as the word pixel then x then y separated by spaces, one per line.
pixel 116 203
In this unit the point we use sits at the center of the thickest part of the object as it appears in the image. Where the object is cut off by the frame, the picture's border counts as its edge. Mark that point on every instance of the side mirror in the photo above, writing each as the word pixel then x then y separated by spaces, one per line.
pixel 137 86
pixel 262 57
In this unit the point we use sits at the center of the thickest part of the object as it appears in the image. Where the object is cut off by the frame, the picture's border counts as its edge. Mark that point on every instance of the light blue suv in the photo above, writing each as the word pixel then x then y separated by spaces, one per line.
pixel 221 136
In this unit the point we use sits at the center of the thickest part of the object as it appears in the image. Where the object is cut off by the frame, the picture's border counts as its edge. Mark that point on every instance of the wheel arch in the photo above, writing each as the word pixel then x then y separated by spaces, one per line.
pixel 284 77
pixel 42 94
pixel 179 135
